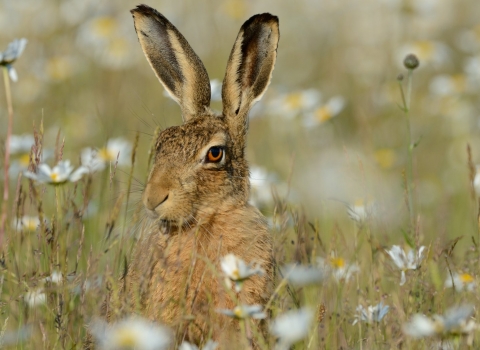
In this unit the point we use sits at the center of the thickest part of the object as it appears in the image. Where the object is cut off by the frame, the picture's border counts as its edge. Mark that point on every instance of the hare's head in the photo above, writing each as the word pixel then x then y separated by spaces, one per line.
pixel 199 166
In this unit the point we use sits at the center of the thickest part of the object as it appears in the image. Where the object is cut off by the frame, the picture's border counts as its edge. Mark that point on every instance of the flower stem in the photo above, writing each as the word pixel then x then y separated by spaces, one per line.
pixel 6 166
pixel 406 99
pixel 59 202
pixel 243 327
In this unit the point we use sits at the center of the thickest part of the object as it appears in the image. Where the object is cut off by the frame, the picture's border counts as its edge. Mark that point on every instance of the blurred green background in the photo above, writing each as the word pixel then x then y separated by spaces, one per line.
pixel 328 128
pixel 329 136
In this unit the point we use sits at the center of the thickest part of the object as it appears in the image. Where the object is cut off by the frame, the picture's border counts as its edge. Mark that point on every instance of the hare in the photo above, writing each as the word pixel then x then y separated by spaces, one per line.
pixel 197 192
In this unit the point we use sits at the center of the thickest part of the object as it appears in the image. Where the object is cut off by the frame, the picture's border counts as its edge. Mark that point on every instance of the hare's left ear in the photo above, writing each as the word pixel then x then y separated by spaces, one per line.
pixel 249 70
pixel 173 60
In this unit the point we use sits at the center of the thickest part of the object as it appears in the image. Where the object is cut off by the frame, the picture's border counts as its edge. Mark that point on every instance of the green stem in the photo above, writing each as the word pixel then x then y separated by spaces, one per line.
pixel 406 108
pixel 6 166
pixel 58 200
pixel 243 328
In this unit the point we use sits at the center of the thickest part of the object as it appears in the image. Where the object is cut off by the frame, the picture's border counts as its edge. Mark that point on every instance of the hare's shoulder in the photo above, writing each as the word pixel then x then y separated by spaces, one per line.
pixel 244 232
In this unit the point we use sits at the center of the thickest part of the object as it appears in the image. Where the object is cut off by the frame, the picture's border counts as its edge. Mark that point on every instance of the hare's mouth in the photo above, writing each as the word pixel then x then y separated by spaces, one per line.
pixel 166 227
pixel 170 227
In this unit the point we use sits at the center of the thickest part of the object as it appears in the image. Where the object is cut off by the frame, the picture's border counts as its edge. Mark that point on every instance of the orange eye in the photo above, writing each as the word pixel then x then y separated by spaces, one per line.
pixel 215 154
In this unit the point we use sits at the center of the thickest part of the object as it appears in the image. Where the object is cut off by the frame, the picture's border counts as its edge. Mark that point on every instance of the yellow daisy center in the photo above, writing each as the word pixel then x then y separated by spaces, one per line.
pixel 438 326
pixel 323 114
pixel 238 311
pixel 30 225
pixel 337 262
pixel 294 101
pixel 126 339
pixel 426 49
pixel 54 177
pixel 105 26
pixel 466 278
pixel 106 155
pixel 24 159
pixel 359 202
pixel 385 157
pixel 236 9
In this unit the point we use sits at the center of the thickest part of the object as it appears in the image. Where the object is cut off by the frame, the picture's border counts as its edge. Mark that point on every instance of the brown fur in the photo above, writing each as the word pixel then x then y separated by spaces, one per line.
pixel 198 210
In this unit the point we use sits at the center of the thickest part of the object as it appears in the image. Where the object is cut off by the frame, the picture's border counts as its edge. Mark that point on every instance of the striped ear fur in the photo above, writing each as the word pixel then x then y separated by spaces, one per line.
pixel 249 69
pixel 176 65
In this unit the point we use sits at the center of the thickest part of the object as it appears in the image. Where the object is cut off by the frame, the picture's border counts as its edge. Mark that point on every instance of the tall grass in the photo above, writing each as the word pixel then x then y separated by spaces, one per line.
pixel 315 174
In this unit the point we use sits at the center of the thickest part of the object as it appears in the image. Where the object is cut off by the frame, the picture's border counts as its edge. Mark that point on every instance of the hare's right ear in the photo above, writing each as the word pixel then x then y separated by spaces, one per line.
pixel 174 62
pixel 249 70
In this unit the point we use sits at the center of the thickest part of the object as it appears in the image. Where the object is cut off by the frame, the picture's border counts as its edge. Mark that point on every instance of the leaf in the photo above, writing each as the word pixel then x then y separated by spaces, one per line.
pixel 408 239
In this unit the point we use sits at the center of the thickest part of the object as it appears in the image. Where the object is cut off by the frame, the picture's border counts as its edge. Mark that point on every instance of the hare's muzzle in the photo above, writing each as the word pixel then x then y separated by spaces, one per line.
pixel 154 196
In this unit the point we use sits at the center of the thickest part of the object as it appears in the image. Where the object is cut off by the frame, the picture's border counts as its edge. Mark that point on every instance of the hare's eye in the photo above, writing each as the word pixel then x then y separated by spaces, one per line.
pixel 215 154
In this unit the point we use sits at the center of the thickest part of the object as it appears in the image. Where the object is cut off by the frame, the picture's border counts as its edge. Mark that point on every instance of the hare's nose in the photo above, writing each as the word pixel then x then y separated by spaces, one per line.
pixel 153 197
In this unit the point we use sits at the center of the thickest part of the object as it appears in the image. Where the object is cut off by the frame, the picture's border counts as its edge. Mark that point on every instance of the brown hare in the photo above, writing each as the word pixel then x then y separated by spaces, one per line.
pixel 197 193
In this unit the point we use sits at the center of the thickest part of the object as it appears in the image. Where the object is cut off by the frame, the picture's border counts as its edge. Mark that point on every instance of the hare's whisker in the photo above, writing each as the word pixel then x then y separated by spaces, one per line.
pixel 141 132
pixel 133 177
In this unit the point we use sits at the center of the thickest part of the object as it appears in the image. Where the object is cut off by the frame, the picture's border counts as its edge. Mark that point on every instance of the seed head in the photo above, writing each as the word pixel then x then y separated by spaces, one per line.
pixel 411 61
pixel 400 77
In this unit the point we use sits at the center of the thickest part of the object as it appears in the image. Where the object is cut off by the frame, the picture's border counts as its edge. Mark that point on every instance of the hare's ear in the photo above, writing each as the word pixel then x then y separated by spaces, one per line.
pixel 249 69
pixel 174 62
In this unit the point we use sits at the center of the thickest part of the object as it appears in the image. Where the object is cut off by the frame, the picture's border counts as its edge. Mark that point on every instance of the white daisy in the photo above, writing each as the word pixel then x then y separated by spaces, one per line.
pixel 291 327
pixel 456 321
pixel 56 277
pixel 35 298
pixel 360 210
pixel 108 40
pixel 14 338
pixel 461 281
pixel 131 333
pixel 97 160
pixel 88 285
pixel 261 182
pixel 260 186
pixel 428 52
pixel 11 54
pixel 337 267
pixel 237 271
pixel 469 40
pixel 244 311
pixel 216 89
pixel 300 275
pixel 476 181
pixel 27 223
pixel 20 147
pixel 371 313
pixel 406 261
pixel 472 68
pixel 59 174
pixel 292 104
pixel 325 112
pixel 210 345
pixel 21 143
pixel 448 85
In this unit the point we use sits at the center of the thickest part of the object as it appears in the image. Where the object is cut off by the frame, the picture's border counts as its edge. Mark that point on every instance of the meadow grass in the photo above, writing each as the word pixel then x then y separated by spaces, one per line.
pixel 373 162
